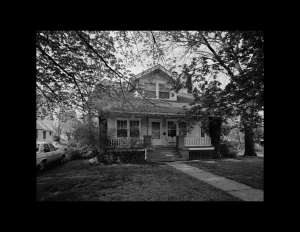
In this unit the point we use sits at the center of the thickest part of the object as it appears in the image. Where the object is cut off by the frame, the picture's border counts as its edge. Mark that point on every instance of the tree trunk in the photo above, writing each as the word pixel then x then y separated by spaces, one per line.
pixel 215 134
pixel 69 135
pixel 189 84
pixel 102 133
pixel 249 142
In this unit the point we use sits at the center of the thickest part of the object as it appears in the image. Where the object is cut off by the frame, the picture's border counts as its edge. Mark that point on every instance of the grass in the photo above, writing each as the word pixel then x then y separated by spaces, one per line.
pixel 246 170
pixel 78 180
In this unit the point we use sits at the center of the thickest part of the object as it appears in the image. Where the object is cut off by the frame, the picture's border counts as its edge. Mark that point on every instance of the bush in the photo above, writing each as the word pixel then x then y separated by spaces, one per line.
pixel 56 138
pixel 122 156
pixel 259 149
pixel 75 155
pixel 228 148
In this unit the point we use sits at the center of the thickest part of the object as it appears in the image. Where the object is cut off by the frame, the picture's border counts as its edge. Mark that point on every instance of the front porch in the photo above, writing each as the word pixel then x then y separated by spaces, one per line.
pixel 137 141
pixel 154 132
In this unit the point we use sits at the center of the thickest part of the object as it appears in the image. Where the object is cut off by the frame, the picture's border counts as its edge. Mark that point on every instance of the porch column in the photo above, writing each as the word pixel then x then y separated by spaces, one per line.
pixel 179 141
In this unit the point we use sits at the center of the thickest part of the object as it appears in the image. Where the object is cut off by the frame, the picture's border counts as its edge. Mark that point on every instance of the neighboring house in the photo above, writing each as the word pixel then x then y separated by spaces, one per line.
pixel 160 129
pixel 44 131
pixel 44 128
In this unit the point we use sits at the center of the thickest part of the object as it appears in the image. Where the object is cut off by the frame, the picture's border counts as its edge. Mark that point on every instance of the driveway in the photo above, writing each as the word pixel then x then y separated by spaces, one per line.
pixel 260 154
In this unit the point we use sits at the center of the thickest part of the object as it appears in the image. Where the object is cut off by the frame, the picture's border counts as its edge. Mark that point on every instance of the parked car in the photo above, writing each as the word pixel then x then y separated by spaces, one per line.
pixel 59 146
pixel 46 153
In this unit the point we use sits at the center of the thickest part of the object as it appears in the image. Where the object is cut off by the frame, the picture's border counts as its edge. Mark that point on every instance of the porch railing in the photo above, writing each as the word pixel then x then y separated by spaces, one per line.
pixel 125 142
pixel 202 141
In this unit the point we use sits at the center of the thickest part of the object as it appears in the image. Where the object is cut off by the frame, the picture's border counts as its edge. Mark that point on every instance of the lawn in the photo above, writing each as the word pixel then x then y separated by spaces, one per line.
pixel 246 170
pixel 78 180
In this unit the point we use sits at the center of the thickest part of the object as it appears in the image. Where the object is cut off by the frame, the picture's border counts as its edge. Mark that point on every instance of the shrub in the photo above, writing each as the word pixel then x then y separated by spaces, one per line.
pixel 56 138
pixel 228 148
pixel 75 155
pixel 123 156
pixel 259 149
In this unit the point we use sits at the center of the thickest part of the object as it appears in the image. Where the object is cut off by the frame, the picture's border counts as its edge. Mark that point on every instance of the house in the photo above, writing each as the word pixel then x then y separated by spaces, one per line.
pixel 44 130
pixel 44 127
pixel 162 129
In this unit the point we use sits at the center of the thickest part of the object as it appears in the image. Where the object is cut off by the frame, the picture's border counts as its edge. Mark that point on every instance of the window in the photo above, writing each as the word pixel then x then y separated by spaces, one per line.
pixel 134 129
pixel 150 90
pixel 52 148
pixel 44 134
pixel 121 128
pixel 182 128
pixel 50 133
pixel 46 148
pixel 171 129
pixel 164 92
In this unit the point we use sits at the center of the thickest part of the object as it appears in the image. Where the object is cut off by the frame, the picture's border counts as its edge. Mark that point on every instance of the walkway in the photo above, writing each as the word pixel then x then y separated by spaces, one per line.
pixel 232 187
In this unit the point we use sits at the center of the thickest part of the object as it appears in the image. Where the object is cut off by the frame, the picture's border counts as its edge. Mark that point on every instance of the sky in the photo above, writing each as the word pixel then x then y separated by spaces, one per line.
pixel 140 66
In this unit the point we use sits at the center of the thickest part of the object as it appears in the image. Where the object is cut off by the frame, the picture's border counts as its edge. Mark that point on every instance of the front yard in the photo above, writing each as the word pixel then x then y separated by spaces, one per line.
pixel 78 180
pixel 246 170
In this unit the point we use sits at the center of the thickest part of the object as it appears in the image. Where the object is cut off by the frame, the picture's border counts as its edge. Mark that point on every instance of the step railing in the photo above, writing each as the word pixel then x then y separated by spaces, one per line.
pixel 200 141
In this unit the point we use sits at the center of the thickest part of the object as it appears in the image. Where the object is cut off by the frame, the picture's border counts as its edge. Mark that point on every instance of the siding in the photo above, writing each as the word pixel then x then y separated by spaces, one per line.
pixel 48 137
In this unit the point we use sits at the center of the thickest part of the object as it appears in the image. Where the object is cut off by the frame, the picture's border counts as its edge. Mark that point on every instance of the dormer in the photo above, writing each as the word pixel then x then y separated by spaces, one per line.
pixel 156 82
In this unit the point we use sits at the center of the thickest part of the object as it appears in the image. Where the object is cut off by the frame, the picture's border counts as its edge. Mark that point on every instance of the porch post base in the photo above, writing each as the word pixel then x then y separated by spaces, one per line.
pixel 147 140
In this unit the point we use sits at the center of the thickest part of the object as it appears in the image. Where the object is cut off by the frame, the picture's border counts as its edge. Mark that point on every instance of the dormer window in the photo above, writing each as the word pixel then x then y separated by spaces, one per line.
pixel 164 92
pixel 150 90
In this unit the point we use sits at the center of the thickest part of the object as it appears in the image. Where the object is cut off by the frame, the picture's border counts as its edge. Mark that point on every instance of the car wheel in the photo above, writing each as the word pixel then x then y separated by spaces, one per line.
pixel 42 165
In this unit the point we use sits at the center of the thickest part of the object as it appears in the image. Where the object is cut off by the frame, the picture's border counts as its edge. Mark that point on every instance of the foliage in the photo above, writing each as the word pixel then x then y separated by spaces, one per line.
pixel 228 148
pixel 75 154
pixel 56 138
pixel 123 156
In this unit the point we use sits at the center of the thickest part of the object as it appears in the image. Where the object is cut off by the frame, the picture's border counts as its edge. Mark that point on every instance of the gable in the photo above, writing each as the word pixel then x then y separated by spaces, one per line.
pixel 156 73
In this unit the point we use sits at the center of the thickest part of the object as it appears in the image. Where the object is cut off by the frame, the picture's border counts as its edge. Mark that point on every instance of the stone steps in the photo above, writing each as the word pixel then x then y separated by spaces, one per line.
pixel 166 154
pixel 167 159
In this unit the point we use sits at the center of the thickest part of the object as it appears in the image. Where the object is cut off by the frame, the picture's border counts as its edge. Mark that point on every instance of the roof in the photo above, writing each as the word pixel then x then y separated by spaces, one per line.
pixel 158 66
pixel 42 126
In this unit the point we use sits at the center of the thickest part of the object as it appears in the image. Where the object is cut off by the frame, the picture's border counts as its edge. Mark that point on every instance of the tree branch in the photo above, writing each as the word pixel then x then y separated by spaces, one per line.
pixel 120 76
pixel 217 57
pixel 72 76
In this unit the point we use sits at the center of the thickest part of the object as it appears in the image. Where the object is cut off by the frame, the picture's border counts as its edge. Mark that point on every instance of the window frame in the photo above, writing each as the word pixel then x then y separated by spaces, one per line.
pixel 52 148
pixel 128 126
pixel 45 144
pixel 163 91
pixel 177 126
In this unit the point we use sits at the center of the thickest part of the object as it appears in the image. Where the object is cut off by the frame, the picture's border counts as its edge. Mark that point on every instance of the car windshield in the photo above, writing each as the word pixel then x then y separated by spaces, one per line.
pixel 37 147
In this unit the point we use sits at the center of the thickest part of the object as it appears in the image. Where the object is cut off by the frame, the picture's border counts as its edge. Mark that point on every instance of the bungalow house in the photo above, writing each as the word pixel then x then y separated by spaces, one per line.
pixel 163 129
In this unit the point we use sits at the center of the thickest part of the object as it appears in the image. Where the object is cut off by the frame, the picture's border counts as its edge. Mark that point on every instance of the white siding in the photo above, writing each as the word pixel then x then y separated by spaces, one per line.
pixel 49 137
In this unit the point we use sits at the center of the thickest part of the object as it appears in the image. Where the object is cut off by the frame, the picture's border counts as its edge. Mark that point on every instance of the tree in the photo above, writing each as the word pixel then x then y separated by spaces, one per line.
pixel 71 63
pixel 240 56
pixel 66 121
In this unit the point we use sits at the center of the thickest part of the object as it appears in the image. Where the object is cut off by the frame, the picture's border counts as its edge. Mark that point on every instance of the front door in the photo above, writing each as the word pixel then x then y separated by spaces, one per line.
pixel 155 130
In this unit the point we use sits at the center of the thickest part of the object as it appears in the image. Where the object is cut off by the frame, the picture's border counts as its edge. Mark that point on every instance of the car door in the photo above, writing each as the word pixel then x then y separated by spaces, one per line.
pixel 48 152
pixel 55 153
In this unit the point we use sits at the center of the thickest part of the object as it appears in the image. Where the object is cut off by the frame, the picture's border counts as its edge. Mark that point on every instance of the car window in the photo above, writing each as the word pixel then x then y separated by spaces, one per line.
pixel 37 147
pixel 52 148
pixel 46 148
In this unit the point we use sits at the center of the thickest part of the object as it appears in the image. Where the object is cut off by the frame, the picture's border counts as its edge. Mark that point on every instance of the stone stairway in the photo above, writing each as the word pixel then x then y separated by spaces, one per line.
pixel 166 154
